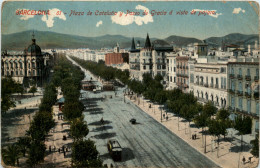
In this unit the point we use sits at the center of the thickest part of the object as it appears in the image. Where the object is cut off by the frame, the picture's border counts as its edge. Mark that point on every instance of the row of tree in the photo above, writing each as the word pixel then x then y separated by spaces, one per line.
pixel 68 77
pixel 32 143
pixel 185 105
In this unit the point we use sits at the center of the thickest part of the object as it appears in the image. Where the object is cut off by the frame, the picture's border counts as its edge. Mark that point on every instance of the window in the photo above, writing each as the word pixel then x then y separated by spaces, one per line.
pixel 144 67
pixel 248 106
pixel 21 72
pixel 151 66
pixel 174 69
pixel 248 72
pixel 174 79
pixel 225 81
pixel 248 89
pixel 240 71
pixel 150 61
pixel 232 102
pixel 222 83
pixel 170 79
pixel 257 108
pixel 21 65
pixel 257 72
pixel 144 61
pixel 232 70
pixel 240 87
pixel 212 80
pixel 232 85
pixel 16 73
pixel 240 104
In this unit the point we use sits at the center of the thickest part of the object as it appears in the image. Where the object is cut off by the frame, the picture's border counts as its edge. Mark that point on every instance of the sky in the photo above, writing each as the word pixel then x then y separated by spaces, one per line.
pixel 221 18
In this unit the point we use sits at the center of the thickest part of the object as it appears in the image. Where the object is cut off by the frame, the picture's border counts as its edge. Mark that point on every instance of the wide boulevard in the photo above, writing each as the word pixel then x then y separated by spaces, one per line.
pixel 145 144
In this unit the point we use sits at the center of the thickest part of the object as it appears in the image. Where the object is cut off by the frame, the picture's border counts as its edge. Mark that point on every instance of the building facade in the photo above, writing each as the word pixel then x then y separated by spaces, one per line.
pixel 182 73
pixel 116 58
pixel 32 65
pixel 243 85
pixel 149 59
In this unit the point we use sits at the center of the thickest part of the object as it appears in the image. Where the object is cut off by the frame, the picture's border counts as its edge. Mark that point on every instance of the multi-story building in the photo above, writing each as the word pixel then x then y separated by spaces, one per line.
pixel 116 58
pixel 208 77
pixel 171 70
pixel 243 85
pixel 182 73
pixel 31 65
pixel 149 59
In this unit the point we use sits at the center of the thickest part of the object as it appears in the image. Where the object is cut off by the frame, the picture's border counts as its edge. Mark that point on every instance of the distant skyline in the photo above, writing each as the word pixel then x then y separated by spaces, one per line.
pixel 230 17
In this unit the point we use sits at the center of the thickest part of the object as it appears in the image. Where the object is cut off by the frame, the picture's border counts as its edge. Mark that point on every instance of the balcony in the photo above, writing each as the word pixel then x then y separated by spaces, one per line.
pixel 256 95
pixel 232 76
pixel 231 91
pixel 216 86
pixel 248 94
pixel 248 77
pixel 256 78
pixel 240 93
pixel 245 113
pixel 206 85
pixel 239 77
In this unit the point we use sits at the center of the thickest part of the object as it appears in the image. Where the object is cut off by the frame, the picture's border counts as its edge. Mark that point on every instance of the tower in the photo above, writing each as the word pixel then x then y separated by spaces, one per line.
pixel 147 42
pixel 133 44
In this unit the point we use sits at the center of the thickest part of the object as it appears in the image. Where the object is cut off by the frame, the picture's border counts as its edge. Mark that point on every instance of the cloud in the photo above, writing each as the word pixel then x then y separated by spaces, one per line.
pixel 52 14
pixel 24 17
pixel 238 10
pixel 99 23
pixel 124 19
pixel 212 13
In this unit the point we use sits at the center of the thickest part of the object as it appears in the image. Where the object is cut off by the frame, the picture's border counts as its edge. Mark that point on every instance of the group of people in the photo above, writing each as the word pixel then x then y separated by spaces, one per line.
pixel 60 150
pixel 244 159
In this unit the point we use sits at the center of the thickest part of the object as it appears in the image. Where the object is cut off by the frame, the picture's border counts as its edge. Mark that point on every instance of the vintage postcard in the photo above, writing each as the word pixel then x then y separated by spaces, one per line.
pixel 130 84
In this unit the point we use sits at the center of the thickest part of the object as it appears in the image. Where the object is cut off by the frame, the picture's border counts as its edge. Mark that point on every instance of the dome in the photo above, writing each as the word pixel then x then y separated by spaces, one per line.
pixel 34 48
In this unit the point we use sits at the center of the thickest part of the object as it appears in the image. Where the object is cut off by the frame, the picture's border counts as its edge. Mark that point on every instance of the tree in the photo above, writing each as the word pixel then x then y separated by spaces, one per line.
pixel 11 155
pixel 33 89
pixel 243 126
pixel 223 117
pixel 23 144
pixel 85 154
pixel 41 125
pixel 216 128
pixel 73 109
pixel 36 153
pixel 255 146
pixel 78 129
pixel 188 112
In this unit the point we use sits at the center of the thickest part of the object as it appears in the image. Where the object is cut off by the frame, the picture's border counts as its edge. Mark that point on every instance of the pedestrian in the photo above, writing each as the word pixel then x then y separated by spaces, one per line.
pixel 167 118
pixel 249 159
pixel 244 159
pixel 63 148
pixel 59 150
pixel 163 115
pixel 54 148
pixel 49 148
pixel 195 136
pixel 64 153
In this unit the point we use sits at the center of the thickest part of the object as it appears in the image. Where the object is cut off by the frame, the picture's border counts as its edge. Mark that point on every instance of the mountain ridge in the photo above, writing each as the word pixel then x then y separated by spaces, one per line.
pixel 49 39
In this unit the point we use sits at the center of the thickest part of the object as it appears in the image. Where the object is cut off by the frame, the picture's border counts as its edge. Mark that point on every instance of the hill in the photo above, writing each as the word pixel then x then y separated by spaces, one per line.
pixel 46 39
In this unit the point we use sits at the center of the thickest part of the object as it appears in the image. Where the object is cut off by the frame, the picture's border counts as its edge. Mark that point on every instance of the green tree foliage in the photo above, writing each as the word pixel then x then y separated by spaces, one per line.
pixel 8 87
pixel 33 89
pixel 23 144
pixel 36 153
pixel 11 155
pixel 243 126
pixel 41 125
pixel 73 110
pixel 160 97
pixel 49 98
pixel 78 129
pixel 255 146
pixel 209 109
pixel 85 154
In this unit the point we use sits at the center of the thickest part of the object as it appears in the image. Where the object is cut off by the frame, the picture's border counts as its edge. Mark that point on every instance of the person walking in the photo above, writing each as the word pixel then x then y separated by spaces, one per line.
pixel 244 159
